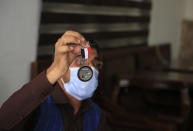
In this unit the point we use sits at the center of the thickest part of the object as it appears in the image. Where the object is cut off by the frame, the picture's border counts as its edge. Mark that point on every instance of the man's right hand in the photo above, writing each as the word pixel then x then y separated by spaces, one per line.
pixel 64 54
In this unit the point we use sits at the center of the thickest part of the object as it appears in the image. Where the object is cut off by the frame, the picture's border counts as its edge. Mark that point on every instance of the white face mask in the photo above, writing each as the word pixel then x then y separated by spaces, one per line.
pixel 79 89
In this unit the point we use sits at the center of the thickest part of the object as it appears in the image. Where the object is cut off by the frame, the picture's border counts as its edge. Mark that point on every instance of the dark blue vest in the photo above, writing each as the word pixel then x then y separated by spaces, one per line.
pixel 50 118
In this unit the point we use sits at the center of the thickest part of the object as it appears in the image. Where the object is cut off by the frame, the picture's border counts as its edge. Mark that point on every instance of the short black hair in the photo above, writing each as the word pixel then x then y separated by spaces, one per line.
pixel 94 44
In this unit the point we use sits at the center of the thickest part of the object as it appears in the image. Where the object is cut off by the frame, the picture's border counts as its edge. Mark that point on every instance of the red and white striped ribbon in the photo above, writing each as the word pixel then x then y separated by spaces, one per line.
pixel 86 52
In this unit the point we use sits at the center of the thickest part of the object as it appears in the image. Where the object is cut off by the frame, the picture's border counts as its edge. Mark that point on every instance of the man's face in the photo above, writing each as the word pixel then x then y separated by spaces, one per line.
pixel 93 61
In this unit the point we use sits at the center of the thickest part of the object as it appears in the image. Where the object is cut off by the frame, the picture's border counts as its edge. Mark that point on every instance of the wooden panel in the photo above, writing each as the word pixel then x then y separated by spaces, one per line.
pixel 92 27
pixel 153 57
pixel 112 23
pixel 124 61
pixel 144 4
pixel 47 51
pixel 48 55
pixel 93 9
pixel 47 39
pixel 48 18
pixel 116 62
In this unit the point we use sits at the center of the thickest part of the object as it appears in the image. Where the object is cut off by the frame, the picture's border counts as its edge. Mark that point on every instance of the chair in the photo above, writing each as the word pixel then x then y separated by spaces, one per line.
pixel 165 103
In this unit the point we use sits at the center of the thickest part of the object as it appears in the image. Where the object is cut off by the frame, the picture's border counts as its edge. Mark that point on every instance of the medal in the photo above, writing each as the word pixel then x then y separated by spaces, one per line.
pixel 85 73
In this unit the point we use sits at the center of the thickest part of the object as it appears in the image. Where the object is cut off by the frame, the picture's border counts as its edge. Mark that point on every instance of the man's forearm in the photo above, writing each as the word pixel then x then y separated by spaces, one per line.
pixel 24 101
pixel 53 74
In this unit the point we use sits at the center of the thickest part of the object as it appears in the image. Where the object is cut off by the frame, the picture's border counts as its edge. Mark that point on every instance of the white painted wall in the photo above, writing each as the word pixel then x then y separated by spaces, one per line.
pixel 19 21
pixel 166 23
pixel 188 11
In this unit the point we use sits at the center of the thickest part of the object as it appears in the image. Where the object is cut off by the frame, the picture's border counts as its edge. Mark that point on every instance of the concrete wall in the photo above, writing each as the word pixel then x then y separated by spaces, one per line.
pixel 167 16
pixel 188 15
pixel 19 21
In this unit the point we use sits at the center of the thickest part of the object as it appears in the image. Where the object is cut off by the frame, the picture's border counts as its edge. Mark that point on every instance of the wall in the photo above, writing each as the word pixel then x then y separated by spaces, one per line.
pixel 19 21
pixel 188 15
pixel 166 23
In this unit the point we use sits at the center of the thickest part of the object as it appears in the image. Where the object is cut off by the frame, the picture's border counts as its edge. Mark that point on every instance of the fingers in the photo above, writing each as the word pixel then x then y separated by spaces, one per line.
pixel 64 49
pixel 83 43
pixel 75 34
pixel 69 39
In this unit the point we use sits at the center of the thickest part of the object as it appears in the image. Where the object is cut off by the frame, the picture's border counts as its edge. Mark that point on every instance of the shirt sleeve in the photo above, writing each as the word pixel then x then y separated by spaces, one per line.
pixel 24 101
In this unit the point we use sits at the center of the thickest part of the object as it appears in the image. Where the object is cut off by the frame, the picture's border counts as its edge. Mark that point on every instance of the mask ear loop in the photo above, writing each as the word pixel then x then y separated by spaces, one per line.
pixel 62 81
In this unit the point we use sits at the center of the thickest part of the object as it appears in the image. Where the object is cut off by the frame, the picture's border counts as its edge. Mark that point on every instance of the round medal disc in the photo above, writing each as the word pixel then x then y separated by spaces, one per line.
pixel 85 73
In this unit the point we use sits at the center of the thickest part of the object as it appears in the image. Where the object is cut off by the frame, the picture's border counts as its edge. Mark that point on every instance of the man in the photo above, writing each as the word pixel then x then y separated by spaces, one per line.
pixel 56 99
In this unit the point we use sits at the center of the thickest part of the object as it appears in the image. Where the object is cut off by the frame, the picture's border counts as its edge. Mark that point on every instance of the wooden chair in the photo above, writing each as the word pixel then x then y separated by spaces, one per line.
pixel 121 119
pixel 159 99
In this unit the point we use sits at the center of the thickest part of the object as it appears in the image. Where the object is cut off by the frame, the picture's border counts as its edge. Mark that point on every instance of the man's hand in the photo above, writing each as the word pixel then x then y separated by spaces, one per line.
pixel 65 54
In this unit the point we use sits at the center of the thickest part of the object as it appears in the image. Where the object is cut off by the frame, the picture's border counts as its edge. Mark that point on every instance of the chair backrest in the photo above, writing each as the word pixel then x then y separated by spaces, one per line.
pixel 140 92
